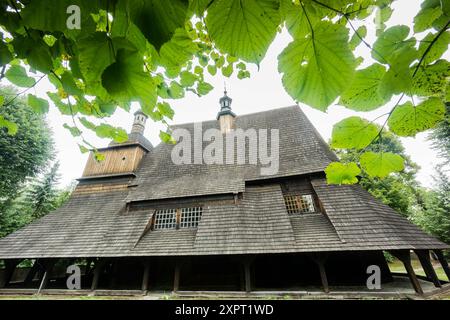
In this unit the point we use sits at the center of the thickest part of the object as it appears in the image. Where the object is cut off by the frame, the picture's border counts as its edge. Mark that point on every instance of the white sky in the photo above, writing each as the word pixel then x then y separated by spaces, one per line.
pixel 263 91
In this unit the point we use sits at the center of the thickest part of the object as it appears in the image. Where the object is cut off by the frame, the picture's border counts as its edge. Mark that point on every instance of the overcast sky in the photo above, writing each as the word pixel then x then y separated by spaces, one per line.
pixel 263 91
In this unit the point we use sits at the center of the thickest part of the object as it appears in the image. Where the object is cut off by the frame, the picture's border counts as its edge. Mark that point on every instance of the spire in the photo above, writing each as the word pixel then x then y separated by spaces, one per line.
pixel 225 115
pixel 225 105
pixel 139 122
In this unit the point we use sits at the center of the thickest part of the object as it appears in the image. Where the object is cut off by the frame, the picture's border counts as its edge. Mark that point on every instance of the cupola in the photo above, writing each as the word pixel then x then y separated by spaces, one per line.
pixel 225 115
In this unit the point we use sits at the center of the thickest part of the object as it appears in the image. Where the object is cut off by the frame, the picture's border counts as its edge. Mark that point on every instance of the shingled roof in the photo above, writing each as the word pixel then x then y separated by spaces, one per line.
pixel 113 221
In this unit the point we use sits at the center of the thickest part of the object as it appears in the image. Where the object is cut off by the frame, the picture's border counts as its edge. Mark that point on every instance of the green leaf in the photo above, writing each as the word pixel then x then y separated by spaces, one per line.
pixel 62 107
pixel 107 131
pixel 243 29
pixel 398 78
pixel 69 84
pixel 342 173
pixel 364 94
pixel 126 81
pixel 439 47
pixel 39 105
pixel 425 18
pixel 408 120
pixel 99 157
pixel 212 70
pixel 39 57
pixel 74 131
pixel 297 17
pixel 87 124
pixel 357 37
pixel 381 164
pixel 431 80
pixel 2 100
pixel 180 49
pixel 17 75
pixel 187 79
pixel 353 132
pixel 11 127
pixel 198 6
pixel 52 15
pixel 389 41
pixel 95 55
pixel 5 54
pixel 242 74
pixel 83 149
pixel 166 137
pixel 317 70
pixel 204 88
pixel 228 70
pixel 157 19
pixel 175 90
pixel 165 109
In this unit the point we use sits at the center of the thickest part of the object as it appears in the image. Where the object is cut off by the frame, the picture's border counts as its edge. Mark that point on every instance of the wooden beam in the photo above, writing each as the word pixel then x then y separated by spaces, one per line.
pixel 424 257
pixel 146 275
pixel 176 277
pixel 405 257
pixel 443 262
pixel 10 266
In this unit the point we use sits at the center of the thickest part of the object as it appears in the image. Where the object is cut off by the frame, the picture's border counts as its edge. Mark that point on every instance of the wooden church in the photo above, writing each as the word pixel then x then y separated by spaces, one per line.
pixel 138 221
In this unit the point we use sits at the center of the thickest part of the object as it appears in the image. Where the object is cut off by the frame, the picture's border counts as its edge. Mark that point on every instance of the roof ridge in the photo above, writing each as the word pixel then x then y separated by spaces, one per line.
pixel 237 116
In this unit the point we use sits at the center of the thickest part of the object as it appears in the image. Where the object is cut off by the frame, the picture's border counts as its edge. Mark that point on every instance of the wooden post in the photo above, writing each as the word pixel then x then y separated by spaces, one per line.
pixel 146 275
pixel 98 269
pixel 443 262
pixel 242 277
pixel 405 257
pixel 10 266
pixel 114 269
pixel 424 257
pixel 323 276
pixel 247 276
pixel 176 278
pixel 320 259
pixel 48 266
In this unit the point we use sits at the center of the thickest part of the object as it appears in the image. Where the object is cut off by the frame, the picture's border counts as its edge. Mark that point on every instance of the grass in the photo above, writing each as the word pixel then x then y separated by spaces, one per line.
pixel 397 266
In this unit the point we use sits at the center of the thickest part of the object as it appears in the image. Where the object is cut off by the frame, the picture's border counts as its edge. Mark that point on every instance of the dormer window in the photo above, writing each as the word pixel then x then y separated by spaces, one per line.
pixel 177 218
pixel 296 204
pixel 165 219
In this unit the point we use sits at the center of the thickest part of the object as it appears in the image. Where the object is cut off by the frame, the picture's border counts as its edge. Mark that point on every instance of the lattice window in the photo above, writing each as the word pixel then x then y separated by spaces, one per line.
pixel 165 219
pixel 190 217
pixel 300 204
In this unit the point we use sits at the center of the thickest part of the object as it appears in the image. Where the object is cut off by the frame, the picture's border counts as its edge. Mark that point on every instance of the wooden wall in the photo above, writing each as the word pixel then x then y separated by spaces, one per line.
pixel 117 160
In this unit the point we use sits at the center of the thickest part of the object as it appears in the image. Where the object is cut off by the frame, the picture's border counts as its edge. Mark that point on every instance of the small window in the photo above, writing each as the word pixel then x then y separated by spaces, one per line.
pixel 190 217
pixel 165 219
pixel 299 204
pixel 177 218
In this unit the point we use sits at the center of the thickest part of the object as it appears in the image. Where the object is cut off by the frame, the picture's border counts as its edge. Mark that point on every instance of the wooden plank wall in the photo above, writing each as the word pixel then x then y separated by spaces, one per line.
pixel 117 160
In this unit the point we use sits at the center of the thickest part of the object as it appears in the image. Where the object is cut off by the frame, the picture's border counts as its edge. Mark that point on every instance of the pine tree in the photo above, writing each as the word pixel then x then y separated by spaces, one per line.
pixel 43 193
